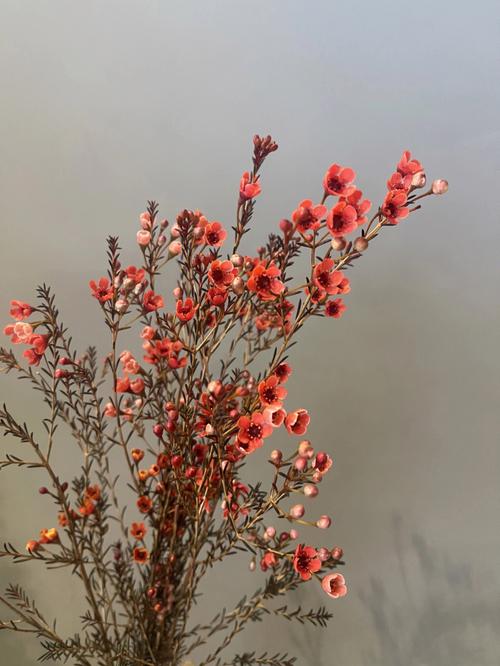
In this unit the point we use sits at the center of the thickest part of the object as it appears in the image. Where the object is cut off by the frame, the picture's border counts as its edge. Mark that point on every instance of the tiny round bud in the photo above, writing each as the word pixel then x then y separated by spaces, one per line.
pixel 43 490
pixel 324 522
pixel 238 286
pixel 305 449
pixel 60 374
pixel 175 247
pixel 324 554
pixel 286 227
pixel 64 486
pixel 276 457
pixel 121 306
pixel 252 565
pixel 297 511
pixel 237 260
pixel 176 461
pixel 311 490
pixel 338 244
pixel 418 179
pixel 143 237
pixel 360 244
pixel 32 546
pixel 64 360
pixel 337 553
pixel 162 239
pixel 163 224
pixel 293 534
pixel 284 536
pixel 177 292
pixel 439 186
pixel 158 429
pixel 270 532
pixel 300 464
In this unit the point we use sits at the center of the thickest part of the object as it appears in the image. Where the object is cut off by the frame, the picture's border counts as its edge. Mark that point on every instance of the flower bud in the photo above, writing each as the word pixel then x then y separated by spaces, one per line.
pixel 162 239
pixel 297 511
pixel 158 429
pixel 270 532
pixel 43 490
pixel 324 554
pixel 360 244
pixel 238 286
pixel 418 179
pixel 143 237
pixel 293 534
pixel 324 522
pixel 286 227
pixel 175 247
pixel 311 490
pixel 252 565
pixel 338 244
pixel 276 456
pixel 300 464
pixel 305 449
pixel 121 306
pixel 237 260
pixel 439 186
pixel 337 553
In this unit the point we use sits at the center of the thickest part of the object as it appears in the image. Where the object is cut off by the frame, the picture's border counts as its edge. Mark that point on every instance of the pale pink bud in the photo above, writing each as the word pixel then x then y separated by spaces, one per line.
pixel 198 233
pixel 148 333
pixel 121 305
pixel 300 464
pixel 324 554
pixel 163 224
pixel 177 292
pixel 324 522
pixel 143 237
pixel 175 232
pixel 128 284
pixel 276 456
pixel 162 239
pixel 338 244
pixel 271 532
pixel 317 477
pixel 209 429
pixel 237 260
pixel 294 534
pixel 337 553
pixel 145 220
pixel 215 387
pixel 360 244
pixel 297 511
pixel 310 490
pixel 238 285
pixel 305 449
pixel 175 247
pixel 252 565
pixel 286 227
pixel 439 186
pixel 418 179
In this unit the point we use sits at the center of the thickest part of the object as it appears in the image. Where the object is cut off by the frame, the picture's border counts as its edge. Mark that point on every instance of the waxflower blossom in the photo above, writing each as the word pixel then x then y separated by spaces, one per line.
pixel 360 205
pixel 271 394
pixel 264 281
pixel 307 217
pixel 296 422
pixel 222 273
pixel 334 585
pixel 20 332
pixel 342 219
pixel 141 555
pixel 215 234
pixel 20 310
pixel 252 432
pixel 144 504
pixel 326 278
pixel 152 301
pixel 306 561
pixel 339 181
pixel 249 188
pixel 407 166
pixel 185 310
pixel 394 207
pixel 138 531
pixel 102 290
pixel 335 308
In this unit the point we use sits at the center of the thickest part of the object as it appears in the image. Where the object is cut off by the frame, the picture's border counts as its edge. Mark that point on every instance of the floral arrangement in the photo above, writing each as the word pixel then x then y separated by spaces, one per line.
pixel 186 415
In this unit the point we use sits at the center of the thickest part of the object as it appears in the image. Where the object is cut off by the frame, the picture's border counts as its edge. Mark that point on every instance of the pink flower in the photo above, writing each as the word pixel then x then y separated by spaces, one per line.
pixel 271 394
pixel 342 219
pixel 222 273
pixel 20 310
pixel 252 432
pixel 35 354
pixel 338 181
pixel 325 277
pixel 360 205
pixel 20 332
pixel 306 561
pixel 283 372
pixel 334 585
pixel 399 182
pixel 307 217
pixel 296 422
pixel 322 462
pixel 335 308
pixel 215 234
pixel 407 166
pixel 103 291
pixel 152 301
pixel 185 310
pixel 264 281
pixel 249 188
pixel 394 208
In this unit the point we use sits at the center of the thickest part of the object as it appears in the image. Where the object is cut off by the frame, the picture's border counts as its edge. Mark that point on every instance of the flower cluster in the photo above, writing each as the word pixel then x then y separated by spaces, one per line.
pixel 187 405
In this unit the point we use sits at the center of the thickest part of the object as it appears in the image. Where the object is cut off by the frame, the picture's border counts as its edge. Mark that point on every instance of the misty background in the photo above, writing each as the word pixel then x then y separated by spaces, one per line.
pixel 108 104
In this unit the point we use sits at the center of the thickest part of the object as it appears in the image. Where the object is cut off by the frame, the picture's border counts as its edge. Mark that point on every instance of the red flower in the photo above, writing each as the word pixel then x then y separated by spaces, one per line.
pixel 394 208
pixel 296 422
pixel 249 188
pixel 268 560
pixel 252 432
pixel 334 585
pixel 122 384
pixel 103 291
pixel 306 561
pixel 322 462
pixel 138 530
pixel 185 310
pixel 20 332
pixel 265 282
pixel 399 182
pixel 338 180
pixel 283 372
pixel 141 555
pixel 215 234
pixel 152 301
pixel 408 166
pixel 222 273
pixel 308 217
pixel 342 219
pixel 335 308
pixel 20 310
pixel 35 354
pixel 144 504
pixel 361 206
pixel 271 394
pixel 275 416
pixel 344 286
pixel 216 296
pixel 135 274
pixel 325 277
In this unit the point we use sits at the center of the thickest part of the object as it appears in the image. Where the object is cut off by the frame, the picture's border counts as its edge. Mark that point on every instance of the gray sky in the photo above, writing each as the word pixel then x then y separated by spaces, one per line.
pixel 107 104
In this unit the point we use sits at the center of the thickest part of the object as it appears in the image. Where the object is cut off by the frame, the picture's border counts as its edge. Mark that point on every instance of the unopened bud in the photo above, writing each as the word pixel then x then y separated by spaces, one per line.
pixel 324 522
pixel 297 511
pixel 337 553
pixel 360 244
pixel 338 244
pixel 418 179
pixel 237 260
pixel 439 186
pixel 310 490
pixel 276 456
pixel 238 286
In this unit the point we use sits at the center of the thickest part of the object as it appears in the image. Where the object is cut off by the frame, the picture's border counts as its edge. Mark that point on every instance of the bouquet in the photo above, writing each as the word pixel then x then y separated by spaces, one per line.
pixel 168 422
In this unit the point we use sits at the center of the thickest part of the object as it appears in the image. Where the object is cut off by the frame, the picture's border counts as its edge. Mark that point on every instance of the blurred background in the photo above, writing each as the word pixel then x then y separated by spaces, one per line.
pixel 108 104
